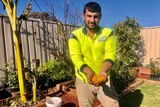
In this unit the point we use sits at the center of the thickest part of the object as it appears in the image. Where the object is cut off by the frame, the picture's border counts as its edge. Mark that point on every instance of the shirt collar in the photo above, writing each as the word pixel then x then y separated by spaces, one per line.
pixel 98 32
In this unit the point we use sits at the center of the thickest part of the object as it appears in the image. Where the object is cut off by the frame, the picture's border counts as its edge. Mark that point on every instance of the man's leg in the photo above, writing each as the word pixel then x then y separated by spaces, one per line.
pixel 107 95
pixel 85 95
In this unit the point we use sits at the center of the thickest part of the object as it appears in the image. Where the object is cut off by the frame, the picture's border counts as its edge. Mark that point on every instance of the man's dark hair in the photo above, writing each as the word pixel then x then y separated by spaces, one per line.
pixel 92 7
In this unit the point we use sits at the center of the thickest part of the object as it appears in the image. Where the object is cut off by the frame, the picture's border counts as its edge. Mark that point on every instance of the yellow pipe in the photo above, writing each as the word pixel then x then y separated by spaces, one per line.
pixel 12 17
pixel 59 30
pixel 34 88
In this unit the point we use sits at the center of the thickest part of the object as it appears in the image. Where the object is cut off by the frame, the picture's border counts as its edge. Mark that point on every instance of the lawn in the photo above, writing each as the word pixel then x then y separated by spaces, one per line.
pixel 146 95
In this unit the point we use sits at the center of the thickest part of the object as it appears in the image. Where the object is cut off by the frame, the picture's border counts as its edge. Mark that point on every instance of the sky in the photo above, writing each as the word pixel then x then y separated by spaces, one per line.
pixel 146 12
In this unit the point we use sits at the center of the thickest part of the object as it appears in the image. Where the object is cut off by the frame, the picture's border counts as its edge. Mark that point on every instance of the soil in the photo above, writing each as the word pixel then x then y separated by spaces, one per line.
pixel 69 99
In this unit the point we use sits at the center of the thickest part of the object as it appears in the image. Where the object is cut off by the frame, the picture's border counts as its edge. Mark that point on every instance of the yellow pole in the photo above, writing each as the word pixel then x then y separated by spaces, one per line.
pixel 59 29
pixel 34 88
pixel 11 11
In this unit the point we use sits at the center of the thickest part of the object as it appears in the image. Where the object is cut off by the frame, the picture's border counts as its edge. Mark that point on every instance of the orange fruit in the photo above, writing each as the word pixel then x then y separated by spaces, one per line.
pixel 96 79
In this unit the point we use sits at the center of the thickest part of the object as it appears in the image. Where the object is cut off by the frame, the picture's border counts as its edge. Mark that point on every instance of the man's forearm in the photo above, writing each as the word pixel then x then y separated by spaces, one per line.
pixel 106 66
pixel 87 70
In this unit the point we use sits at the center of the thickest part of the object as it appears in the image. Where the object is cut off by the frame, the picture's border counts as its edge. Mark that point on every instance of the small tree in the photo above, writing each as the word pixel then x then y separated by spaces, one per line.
pixel 11 9
pixel 130 52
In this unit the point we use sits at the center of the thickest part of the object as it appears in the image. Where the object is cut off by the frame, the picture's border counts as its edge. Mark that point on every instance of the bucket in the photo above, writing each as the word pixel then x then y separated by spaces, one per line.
pixel 54 102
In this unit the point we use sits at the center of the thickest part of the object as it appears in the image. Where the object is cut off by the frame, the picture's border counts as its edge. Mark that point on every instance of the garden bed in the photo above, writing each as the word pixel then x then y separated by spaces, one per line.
pixel 66 91
pixel 69 98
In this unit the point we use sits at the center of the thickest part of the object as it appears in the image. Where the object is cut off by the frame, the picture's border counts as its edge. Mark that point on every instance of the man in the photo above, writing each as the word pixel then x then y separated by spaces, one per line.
pixel 93 50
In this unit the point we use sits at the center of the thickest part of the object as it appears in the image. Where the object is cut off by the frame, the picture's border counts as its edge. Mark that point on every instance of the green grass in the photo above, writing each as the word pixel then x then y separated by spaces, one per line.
pixel 147 95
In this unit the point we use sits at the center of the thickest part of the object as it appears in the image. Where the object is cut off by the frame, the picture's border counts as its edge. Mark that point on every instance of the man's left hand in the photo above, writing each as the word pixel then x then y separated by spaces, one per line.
pixel 105 75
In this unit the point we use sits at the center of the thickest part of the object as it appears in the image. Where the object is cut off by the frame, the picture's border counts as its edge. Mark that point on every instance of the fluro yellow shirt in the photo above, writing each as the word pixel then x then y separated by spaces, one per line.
pixel 85 51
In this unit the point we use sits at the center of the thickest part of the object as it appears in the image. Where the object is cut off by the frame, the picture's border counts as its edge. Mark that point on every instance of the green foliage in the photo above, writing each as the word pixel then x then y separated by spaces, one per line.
pixel 130 52
pixel 56 70
pixel 154 65
pixel 11 74
pixel 45 74
pixel 43 77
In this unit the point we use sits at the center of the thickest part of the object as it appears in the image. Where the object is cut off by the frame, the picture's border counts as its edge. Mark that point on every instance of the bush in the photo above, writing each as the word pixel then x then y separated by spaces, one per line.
pixel 56 70
pixel 154 65
pixel 11 74
pixel 130 52
pixel 46 74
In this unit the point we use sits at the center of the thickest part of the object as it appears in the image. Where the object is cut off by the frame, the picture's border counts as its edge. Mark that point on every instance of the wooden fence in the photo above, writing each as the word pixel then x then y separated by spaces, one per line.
pixel 43 40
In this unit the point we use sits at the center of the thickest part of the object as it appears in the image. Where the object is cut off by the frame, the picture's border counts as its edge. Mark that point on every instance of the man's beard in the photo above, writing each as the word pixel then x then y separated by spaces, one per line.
pixel 92 28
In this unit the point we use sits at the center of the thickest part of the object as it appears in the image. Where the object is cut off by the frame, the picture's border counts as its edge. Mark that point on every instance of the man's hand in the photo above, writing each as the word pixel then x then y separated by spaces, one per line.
pixel 89 73
pixel 100 79
pixel 105 75
pixel 90 76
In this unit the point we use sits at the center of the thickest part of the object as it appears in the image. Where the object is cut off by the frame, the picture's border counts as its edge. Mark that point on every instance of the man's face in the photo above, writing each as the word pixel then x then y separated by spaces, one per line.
pixel 91 19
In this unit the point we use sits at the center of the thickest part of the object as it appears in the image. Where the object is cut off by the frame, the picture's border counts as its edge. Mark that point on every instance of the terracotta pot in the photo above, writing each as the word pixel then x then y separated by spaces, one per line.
pixel 144 73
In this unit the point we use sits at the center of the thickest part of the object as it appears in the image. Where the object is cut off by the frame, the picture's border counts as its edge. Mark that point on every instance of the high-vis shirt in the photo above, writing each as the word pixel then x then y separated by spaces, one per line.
pixel 85 51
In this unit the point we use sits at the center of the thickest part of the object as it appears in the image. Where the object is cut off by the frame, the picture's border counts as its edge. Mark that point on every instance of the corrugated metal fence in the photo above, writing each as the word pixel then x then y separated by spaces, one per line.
pixel 41 40
pixel 151 38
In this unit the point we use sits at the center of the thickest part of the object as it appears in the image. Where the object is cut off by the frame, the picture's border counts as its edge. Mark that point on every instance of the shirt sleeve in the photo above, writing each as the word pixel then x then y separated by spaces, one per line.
pixel 110 48
pixel 75 53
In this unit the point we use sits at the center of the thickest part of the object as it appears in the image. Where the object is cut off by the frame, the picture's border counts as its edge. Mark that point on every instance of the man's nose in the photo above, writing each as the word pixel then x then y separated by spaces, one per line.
pixel 92 19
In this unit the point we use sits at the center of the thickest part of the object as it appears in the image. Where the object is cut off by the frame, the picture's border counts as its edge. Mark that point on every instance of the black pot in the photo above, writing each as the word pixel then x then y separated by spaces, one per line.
pixel 155 77
pixel 4 94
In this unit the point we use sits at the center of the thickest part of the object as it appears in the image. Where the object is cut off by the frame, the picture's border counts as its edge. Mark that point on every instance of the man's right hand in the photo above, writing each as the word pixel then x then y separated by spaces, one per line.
pixel 89 73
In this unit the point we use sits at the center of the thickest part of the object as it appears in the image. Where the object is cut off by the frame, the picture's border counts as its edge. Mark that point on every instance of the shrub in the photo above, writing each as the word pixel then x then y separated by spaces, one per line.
pixel 130 52
pixel 154 65
pixel 11 74
pixel 56 70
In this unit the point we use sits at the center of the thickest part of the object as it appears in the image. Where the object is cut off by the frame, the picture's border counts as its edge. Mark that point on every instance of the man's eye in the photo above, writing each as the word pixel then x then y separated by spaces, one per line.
pixel 96 16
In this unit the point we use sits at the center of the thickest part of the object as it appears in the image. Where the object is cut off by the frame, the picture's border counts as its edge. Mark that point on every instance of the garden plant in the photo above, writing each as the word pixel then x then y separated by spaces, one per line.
pixel 154 66
pixel 38 79
pixel 130 53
